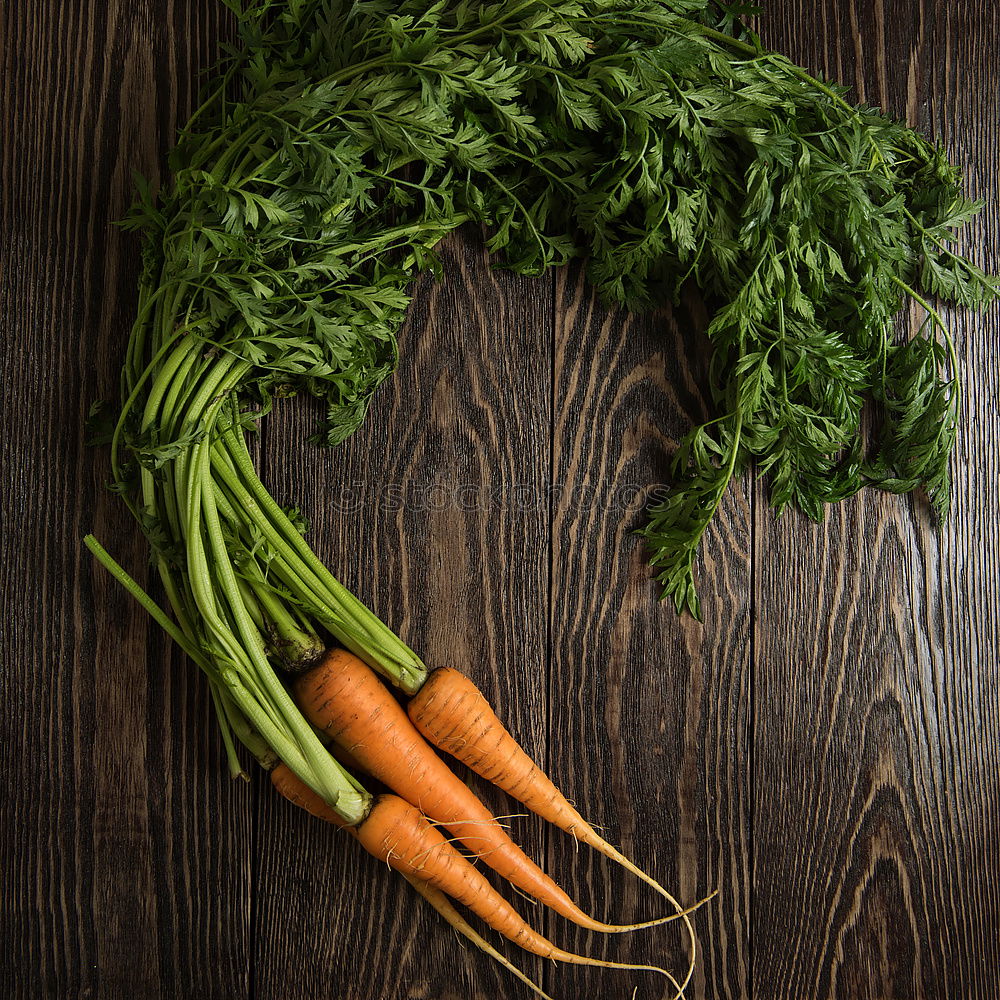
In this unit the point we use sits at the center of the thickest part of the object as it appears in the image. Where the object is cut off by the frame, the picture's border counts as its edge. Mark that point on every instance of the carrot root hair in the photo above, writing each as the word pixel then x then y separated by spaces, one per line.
pixel 444 907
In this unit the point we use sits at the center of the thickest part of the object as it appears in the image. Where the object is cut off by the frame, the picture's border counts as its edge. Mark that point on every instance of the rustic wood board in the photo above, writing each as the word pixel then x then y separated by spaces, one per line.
pixel 125 849
pixel 823 748
pixel 876 666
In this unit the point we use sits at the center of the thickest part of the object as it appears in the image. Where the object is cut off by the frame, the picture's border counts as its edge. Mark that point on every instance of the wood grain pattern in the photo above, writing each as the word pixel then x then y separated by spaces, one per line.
pixel 876 668
pixel 652 708
pixel 823 749
pixel 124 849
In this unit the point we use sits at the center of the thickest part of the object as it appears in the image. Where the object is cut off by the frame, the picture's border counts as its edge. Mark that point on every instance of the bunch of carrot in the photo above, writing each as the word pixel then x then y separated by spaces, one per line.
pixel 335 148
pixel 250 600
pixel 367 731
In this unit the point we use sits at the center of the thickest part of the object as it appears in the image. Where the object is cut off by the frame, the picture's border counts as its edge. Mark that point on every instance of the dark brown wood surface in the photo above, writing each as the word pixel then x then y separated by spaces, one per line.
pixel 824 749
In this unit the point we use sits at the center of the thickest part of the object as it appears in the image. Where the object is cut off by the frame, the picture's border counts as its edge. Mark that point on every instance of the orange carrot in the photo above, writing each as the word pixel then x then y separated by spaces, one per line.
pixel 395 832
pixel 454 716
pixel 345 757
pixel 345 699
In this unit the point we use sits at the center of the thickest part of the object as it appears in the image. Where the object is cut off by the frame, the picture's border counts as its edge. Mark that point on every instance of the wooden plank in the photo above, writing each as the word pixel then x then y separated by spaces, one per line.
pixel 876 670
pixel 651 709
pixel 407 514
pixel 123 846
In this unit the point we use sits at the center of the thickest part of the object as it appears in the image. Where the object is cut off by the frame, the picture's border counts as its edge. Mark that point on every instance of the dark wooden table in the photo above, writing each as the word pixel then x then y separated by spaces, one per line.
pixel 823 749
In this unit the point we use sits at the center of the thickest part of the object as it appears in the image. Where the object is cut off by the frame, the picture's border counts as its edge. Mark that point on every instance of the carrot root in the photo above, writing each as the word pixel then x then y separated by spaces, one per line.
pixel 395 832
pixel 453 715
pixel 301 795
pixel 345 699
pixel 292 787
